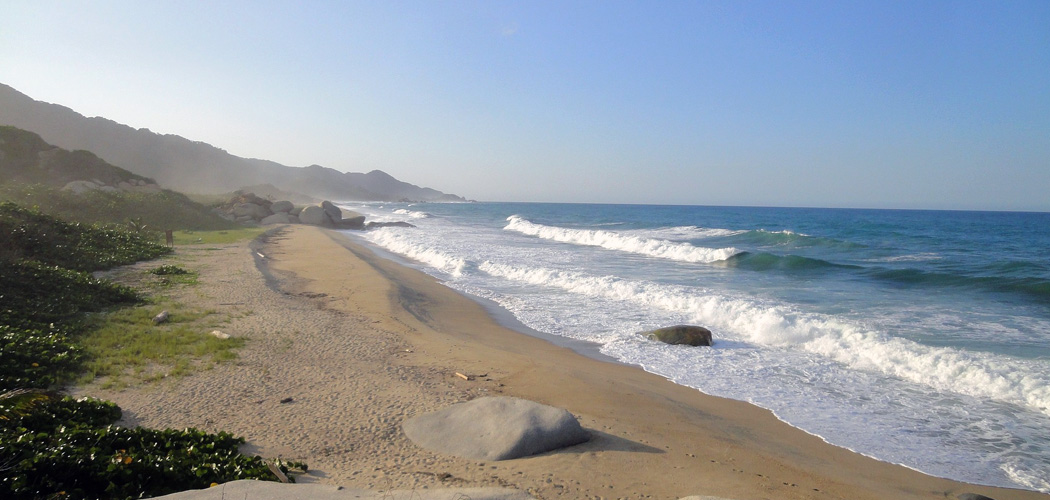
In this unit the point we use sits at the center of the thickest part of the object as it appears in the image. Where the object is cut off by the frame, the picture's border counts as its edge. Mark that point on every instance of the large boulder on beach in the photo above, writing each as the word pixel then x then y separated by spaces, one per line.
pixel 681 334
pixel 495 428
pixel 281 206
pixel 973 496
pixel 314 215
pixel 333 212
pixel 271 490
pixel 357 222
pixel 277 218
pixel 251 210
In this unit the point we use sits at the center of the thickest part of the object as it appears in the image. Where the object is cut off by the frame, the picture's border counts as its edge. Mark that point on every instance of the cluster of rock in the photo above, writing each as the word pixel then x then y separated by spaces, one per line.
pixel 248 208
pixel 129 185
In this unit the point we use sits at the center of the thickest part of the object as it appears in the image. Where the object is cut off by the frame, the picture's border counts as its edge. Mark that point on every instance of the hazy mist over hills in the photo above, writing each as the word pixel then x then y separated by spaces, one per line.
pixel 191 166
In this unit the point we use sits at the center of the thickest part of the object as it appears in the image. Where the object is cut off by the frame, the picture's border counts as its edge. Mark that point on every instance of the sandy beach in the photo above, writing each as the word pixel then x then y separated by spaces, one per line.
pixel 359 343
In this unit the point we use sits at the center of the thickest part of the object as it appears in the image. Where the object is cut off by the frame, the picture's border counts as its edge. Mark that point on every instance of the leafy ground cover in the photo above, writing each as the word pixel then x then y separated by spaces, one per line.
pixel 58 447
pixel 69 448
pixel 82 247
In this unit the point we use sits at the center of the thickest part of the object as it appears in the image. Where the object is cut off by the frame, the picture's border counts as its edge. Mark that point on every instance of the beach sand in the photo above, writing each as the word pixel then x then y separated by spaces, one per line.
pixel 360 343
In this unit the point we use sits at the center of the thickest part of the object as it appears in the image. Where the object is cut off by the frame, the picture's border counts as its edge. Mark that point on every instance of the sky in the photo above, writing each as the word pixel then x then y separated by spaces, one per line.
pixel 880 104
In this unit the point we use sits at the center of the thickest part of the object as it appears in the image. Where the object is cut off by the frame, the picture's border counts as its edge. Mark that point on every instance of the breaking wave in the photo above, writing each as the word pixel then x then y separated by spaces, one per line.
pixel 611 240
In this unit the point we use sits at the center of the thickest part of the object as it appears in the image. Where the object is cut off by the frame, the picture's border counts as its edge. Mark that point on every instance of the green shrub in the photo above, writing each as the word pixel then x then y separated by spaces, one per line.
pixel 168 270
pixel 41 237
pixel 36 358
pixel 69 448
pixel 35 295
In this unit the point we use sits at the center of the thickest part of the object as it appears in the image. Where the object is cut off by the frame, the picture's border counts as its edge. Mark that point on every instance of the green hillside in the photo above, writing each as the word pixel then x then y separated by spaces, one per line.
pixel 33 173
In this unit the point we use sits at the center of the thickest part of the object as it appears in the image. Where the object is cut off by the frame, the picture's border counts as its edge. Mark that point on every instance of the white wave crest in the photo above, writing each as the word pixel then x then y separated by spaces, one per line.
pixel 980 375
pixel 682 252
pixel 412 213
pixel 1023 474
pixel 397 243
pixel 683 232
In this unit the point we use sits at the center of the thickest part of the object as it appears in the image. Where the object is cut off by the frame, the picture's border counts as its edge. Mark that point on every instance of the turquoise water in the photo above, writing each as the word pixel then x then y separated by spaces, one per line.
pixel 917 337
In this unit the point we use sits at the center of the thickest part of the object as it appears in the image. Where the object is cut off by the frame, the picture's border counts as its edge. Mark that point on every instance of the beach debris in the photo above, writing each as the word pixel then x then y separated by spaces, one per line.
pixel 286 400
pixel 277 471
pixel 160 318
pixel 219 335
pixel 495 428
pixel 681 334
pixel 464 377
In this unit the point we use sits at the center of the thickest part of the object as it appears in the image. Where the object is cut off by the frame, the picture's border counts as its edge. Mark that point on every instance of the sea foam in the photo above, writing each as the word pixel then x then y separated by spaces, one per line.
pixel 945 369
pixel 610 240
pixel 412 213
pixel 393 240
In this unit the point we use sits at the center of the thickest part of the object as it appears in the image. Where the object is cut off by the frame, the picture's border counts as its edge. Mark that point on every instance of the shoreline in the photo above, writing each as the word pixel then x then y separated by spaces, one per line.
pixel 360 343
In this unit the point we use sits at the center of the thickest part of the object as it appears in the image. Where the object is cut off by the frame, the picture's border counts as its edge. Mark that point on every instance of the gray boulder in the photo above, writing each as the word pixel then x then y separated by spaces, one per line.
pixel 278 218
pixel 271 490
pixel 79 187
pixel 281 207
pixel 313 215
pixel 334 213
pixel 973 496
pixel 251 210
pixel 351 223
pixel 681 334
pixel 495 428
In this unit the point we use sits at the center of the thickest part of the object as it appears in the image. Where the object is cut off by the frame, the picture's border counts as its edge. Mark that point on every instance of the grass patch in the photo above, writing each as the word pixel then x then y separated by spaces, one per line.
pixel 126 348
pixel 217 237
pixel 170 275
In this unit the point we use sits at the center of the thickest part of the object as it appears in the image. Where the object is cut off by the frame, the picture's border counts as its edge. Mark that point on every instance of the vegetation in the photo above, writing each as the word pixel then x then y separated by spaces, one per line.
pixel 43 238
pixel 58 447
pixel 26 158
pixel 62 447
pixel 217 237
pixel 155 212
pixel 126 346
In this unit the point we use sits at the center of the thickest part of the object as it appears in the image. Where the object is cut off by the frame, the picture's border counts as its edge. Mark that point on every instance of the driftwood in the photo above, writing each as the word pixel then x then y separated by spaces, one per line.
pixel 277 472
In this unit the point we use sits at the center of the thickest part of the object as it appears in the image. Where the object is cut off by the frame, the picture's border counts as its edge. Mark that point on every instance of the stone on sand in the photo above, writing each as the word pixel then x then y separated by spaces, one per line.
pixel 268 490
pixel 277 218
pixel 313 215
pixel 681 334
pixel 334 213
pixel 284 206
pixel 495 428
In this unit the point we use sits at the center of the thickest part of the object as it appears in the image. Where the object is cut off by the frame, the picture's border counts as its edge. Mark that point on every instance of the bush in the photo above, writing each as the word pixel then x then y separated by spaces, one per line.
pixel 70 446
pixel 168 270
pixel 35 295
pixel 40 237
pixel 36 358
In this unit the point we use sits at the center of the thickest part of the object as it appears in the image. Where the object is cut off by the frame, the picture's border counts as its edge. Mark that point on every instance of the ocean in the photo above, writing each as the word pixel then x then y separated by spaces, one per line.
pixel 920 338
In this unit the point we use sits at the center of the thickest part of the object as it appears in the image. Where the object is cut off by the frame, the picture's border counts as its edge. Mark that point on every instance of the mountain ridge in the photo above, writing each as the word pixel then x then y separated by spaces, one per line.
pixel 186 165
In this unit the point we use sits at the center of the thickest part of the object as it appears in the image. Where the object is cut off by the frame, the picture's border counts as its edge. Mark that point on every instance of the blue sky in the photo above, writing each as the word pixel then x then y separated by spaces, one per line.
pixel 917 104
